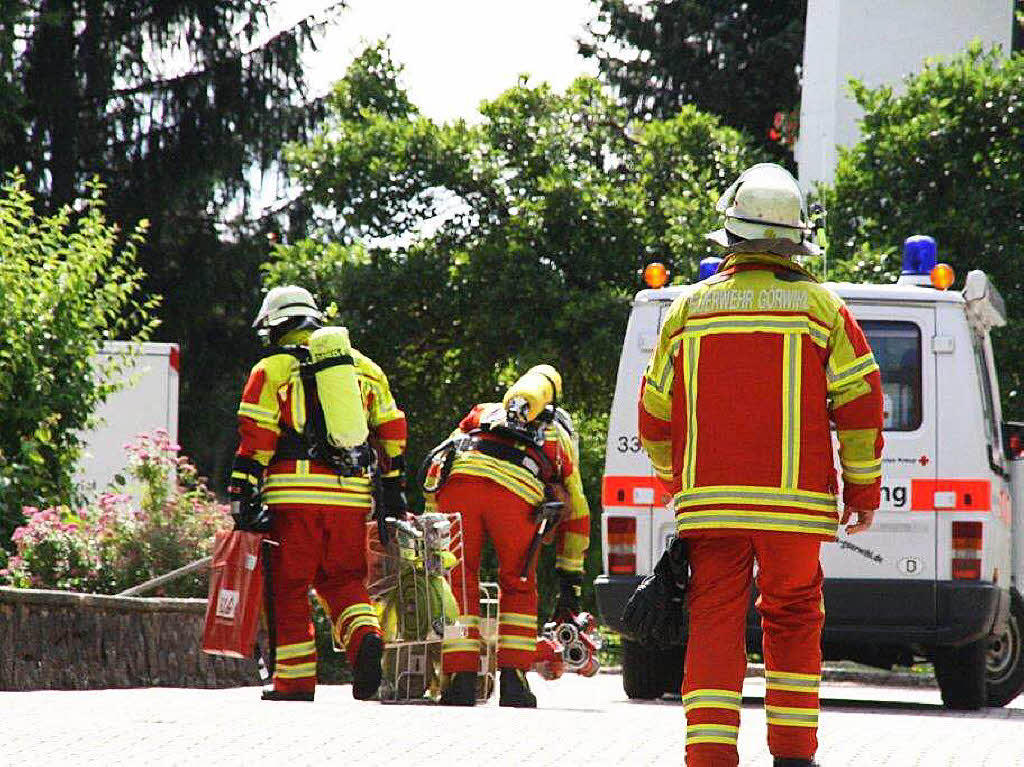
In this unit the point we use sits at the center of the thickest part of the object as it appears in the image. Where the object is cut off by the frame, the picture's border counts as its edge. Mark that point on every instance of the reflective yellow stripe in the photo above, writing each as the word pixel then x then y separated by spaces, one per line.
pixel 351 484
pixel 712 733
pixel 522 483
pixel 757 323
pixel 572 564
pixel 518 619
pixel 691 355
pixel 360 608
pixel 460 645
pixel 298 402
pixel 508 642
pixel 791 370
pixel 862 470
pixel 355 623
pixel 839 376
pixel 288 651
pixel 754 520
pixel 245 477
pixel 710 698
pixel 752 495
pixel 470 620
pixel 259 414
pixel 298 671
pixel 791 717
pixel 792 682
pixel 321 498
pixel 661 382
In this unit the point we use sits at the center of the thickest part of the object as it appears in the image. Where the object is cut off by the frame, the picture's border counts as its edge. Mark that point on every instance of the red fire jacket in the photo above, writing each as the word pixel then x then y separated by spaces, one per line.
pixel 736 402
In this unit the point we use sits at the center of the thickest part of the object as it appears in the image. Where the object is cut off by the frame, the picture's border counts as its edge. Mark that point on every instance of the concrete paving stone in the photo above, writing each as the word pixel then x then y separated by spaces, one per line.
pixel 580 722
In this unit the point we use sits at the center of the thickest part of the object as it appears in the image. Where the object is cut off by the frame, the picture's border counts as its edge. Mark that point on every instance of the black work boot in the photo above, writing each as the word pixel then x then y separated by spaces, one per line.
pixel 366 674
pixel 515 690
pixel 791 761
pixel 276 695
pixel 461 690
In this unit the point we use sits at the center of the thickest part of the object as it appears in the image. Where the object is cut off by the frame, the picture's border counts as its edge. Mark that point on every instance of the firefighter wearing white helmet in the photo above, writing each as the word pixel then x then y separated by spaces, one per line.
pixel 510 468
pixel 322 444
pixel 796 360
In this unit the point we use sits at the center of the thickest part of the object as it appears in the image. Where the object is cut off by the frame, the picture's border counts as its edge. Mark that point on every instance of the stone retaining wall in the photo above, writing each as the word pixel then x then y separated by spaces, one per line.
pixel 57 640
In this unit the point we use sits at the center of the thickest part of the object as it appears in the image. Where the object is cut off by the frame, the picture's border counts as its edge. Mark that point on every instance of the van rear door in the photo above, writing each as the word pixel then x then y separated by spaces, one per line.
pixel 900 546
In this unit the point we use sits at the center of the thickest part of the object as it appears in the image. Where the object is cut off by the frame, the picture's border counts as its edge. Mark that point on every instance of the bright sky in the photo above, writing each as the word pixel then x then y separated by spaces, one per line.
pixel 458 52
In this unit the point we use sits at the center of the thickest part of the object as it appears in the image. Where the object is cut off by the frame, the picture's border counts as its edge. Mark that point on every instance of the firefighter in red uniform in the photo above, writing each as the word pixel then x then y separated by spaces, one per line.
pixel 317 495
pixel 501 465
pixel 735 406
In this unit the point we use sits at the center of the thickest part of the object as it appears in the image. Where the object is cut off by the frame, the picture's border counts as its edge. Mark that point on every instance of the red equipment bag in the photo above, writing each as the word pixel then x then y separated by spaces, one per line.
pixel 236 594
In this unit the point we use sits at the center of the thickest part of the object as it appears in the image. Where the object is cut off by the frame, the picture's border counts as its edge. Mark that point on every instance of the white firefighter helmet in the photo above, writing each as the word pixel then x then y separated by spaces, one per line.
pixel 281 304
pixel 764 206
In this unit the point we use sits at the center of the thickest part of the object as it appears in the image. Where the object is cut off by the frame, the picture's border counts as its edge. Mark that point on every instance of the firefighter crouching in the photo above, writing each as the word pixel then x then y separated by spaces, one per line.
pixel 734 413
pixel 310 410
pixel 505 468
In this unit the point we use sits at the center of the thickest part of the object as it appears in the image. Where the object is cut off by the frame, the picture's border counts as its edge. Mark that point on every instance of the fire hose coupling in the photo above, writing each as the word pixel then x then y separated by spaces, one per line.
pixel 571 645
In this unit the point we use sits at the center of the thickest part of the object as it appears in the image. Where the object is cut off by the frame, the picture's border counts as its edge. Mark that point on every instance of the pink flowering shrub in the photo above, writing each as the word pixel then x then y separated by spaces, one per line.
pixel 162 516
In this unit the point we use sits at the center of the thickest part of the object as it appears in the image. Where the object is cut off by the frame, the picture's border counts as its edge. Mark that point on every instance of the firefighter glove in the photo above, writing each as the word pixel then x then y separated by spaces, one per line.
pixel 247 507
pixel 568 604
pixel 654 614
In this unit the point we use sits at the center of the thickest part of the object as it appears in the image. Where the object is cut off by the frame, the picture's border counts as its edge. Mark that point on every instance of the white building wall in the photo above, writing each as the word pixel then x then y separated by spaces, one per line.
pixel 877 42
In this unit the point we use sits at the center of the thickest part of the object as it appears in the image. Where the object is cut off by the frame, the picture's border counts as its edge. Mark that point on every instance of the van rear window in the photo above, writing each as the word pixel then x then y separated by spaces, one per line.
pixel 897 348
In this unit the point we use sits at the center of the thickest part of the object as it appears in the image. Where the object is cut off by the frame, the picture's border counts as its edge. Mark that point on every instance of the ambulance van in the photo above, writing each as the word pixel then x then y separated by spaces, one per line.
pixel 938 576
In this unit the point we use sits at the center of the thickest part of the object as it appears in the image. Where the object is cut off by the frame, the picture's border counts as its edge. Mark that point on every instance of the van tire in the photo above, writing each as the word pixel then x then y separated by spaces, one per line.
pixel 647 673
pixel 960 672
pixel 1005 658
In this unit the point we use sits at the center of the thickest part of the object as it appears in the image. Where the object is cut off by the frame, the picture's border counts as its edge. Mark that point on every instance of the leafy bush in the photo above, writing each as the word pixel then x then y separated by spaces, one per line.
pixel 166 520
pixel 68 281
pixel 945 158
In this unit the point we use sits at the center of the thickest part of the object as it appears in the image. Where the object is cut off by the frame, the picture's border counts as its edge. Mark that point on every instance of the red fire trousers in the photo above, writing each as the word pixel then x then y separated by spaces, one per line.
pixel 323 547
pixel 488 508
pixel 789 579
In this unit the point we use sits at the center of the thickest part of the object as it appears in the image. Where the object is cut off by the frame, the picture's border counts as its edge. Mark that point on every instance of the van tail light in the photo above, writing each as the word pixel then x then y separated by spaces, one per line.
pixel 622 545
pixel 967 551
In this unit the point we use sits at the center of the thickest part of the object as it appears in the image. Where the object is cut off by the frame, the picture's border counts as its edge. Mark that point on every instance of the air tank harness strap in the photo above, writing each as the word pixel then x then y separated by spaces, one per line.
pixel 357 462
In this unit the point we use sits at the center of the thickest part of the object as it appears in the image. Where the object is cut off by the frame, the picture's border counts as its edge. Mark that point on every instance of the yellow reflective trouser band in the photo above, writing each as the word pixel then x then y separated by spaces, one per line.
pixel 791 717
pixel 460 645
pixel 511 642
pixel 712 733
pixel 791 368
pixel 318 497
pixel 359 608
pixel 691 353
pixel 355 623
pixel 518 619
pixel 792 682
pixel 289 651
pixel 752 495
pixel 469 620
pixel 754 520
pixel 298 671
pixel 729 699
pixel 859 368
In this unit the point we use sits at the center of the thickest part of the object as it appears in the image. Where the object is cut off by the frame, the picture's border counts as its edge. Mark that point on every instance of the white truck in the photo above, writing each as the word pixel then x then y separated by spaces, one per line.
pixel 149 400
pixel 939 575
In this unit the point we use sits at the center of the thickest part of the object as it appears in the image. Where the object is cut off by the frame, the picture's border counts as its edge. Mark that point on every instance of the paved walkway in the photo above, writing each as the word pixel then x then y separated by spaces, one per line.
pixel 581 723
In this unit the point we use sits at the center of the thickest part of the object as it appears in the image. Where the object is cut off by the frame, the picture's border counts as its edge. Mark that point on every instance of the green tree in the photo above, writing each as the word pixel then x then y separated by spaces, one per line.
pixel 458 255
pixel 945 158
pixel 738 60
pixel 175 105
pixel 67 283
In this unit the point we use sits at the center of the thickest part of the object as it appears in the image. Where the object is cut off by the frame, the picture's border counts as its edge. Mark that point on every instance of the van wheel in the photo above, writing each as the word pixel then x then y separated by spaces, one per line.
pixel 960 672
pixel 647 673
pixel 1004 668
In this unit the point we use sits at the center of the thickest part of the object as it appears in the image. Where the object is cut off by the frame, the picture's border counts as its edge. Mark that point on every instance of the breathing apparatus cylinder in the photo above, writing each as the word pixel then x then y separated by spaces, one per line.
pixel 539 387
pixel 338 387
